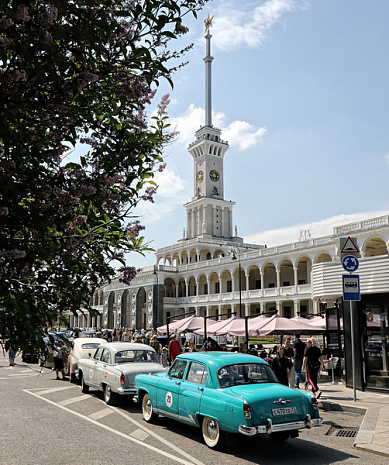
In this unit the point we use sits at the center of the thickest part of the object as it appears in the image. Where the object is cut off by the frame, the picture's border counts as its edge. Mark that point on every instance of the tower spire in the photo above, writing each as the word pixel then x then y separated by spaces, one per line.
pixel 208 72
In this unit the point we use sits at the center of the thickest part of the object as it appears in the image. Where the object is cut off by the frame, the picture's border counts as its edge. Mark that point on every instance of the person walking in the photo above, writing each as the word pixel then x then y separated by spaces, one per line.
pixel 11 357
pixel 313 360
pixel 279 365
pixel 299 349
pixel 174 348
pixel 289 354
pixel 59 352
pixel 156 345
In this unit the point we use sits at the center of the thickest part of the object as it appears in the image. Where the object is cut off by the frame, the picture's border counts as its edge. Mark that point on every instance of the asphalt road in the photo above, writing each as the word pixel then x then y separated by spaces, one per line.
pixel 46 421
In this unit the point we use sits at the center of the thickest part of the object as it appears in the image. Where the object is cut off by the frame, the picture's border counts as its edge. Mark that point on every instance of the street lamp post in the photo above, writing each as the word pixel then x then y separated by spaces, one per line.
pixel 235 252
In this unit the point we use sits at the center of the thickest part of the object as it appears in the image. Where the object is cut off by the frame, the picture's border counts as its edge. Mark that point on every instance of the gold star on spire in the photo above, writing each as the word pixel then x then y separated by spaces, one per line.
pixel 208 22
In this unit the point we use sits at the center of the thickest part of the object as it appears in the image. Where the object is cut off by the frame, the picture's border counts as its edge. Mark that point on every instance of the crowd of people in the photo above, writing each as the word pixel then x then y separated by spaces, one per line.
pixel 296 363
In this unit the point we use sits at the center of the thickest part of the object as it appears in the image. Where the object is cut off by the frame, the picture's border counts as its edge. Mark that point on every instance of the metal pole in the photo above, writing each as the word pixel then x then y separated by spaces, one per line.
pixel 352 307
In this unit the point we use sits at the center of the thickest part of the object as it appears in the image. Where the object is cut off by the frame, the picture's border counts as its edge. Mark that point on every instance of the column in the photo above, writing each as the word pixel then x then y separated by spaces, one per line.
pixel 221 229
pixel 296 307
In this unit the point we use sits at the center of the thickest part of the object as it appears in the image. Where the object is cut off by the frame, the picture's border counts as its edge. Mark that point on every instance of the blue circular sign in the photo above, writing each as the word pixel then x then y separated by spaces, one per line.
pixel 350 263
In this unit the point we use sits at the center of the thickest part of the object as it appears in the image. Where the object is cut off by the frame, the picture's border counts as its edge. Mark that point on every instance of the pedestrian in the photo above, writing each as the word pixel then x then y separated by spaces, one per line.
pixel 313 360
pixel 164 357
pixel 279 365
pixel 210 345
pixel 289 354
pixel 126 336
pixel 114 335
pixel 156 345
pixel 299 349
pixel 59 352
pixel 11 357
pixel 174 348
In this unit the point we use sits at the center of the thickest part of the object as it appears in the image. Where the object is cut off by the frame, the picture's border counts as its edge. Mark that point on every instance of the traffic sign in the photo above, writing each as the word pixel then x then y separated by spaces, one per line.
pixel 351 289
pixel 348 245
pixel 350 263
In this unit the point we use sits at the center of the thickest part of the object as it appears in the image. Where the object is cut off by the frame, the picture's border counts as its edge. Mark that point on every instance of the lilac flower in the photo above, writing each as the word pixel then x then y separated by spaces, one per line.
pixel 22 13
pixel 135 229
pixel 129 273
pixel 148 195
pixel 161 167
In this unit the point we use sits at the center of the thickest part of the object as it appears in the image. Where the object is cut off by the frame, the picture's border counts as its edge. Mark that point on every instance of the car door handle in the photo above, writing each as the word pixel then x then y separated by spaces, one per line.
pixel 200 388
pixel 178 382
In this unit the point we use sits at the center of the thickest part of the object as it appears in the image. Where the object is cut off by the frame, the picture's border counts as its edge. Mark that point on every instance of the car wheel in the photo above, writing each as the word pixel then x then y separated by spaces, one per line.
pixel 147 410
pixel 110 397
pixel 213 436
pixel 72 377
pixel 280 436
pixel 84 387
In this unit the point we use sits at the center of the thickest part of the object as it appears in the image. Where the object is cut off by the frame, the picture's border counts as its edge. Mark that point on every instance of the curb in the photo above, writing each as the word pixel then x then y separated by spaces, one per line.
pixel 364 438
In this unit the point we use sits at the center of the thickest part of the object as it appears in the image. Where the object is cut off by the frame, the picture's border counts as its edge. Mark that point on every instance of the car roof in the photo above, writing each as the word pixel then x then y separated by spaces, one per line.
pixel 219 359
pixel 117 346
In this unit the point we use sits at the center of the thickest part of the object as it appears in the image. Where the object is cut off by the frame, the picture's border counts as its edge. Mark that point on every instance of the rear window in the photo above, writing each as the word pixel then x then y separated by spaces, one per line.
pixel 247 373
pixel 90 345
pixel 128 356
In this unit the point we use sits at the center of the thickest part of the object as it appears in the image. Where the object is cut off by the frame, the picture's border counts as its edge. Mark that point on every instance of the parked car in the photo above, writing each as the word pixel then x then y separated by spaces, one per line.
pixel 113 369
pixel 224 392
pixel 82 348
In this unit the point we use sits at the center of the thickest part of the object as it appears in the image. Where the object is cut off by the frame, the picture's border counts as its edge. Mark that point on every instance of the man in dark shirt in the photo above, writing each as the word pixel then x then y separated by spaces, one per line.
pixel 299 349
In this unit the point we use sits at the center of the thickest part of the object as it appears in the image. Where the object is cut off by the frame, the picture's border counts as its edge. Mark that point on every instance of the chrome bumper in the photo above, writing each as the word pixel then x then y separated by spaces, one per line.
pixel 270 428
pixel 127 390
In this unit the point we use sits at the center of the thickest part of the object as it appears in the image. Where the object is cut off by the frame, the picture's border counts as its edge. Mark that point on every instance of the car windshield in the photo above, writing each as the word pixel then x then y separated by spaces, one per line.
pixel 127 356
pixel 245 373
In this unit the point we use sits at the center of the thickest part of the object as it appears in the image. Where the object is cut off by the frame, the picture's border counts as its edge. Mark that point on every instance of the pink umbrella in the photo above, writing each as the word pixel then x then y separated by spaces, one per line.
pixel 222 327
pixel 281 326
pixel 316 321
pixel 185 324
pixel 253 324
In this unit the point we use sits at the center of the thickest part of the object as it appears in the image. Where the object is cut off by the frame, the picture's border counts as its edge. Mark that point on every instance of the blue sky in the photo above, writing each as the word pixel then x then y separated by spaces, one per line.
pixel 300 92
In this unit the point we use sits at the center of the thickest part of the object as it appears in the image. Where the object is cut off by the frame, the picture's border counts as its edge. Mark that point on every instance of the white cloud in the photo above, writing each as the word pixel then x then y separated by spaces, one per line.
pixel 316 229
pixel 243 135
pixel 172 193
pixel 239 134
pixel 235 28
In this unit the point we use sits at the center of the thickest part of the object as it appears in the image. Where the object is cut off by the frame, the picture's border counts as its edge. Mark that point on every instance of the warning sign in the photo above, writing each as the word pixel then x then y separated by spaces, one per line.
pixel 348 245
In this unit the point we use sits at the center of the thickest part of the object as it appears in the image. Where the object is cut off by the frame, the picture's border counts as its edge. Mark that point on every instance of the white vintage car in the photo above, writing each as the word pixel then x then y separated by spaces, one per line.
pixel 114 366
pixel 83 347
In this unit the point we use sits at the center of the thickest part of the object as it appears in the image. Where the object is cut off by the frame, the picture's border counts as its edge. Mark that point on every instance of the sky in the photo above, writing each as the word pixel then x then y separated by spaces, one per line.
pixel 300 92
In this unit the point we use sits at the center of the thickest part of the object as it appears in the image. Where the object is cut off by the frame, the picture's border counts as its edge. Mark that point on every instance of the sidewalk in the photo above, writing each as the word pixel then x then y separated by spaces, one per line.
pixel 373 435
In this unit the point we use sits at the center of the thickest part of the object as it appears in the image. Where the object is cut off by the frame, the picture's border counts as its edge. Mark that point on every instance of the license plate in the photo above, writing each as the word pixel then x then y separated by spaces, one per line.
pixel 284 410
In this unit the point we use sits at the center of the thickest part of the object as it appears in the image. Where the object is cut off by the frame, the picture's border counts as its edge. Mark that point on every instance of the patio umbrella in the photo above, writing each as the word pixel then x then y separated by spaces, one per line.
pixel 222 327
pixel 282 326
pixel 253 324
pixel 191 323
pixel 317 321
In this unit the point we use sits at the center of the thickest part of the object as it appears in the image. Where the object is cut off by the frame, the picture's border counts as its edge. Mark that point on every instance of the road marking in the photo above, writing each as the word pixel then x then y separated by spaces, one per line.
pixel 155 435
pixel 139 434
pixel 49 391
pixel 119 433
pixel 74 400
pixel 101 414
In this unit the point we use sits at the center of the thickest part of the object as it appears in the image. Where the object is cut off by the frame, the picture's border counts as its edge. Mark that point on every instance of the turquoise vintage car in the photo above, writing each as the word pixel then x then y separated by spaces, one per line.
pixel 224 392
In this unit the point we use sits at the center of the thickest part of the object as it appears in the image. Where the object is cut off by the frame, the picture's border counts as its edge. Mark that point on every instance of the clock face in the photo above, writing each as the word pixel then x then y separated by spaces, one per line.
pixel 200 176
pixel 214 175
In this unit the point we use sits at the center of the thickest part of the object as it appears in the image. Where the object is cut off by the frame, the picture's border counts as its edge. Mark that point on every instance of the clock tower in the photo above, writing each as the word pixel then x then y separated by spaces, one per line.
pixel 208 214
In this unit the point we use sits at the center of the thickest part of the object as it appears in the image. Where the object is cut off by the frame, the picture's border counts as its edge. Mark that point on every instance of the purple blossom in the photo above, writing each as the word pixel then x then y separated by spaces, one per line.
pixel 161 167
pixel 148 195
pixel 129 273
pixel 134 229
pixel 22 13
pixel 165 100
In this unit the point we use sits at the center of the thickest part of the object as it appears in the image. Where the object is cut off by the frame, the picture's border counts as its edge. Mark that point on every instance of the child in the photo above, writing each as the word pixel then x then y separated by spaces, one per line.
pixel 164 357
